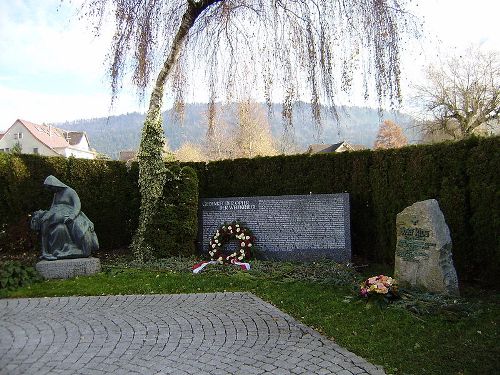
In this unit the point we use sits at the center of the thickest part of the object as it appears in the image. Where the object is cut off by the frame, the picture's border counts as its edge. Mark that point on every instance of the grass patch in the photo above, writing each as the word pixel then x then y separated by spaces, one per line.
pixel 325 271
pixel 425 341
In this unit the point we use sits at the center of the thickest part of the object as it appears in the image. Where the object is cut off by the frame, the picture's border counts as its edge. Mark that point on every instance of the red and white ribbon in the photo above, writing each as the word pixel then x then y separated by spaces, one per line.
pixel 199 266
pixel 243 266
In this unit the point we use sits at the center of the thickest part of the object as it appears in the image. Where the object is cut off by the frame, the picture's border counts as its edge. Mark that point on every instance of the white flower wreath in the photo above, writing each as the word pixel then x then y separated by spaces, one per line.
pixel 227 233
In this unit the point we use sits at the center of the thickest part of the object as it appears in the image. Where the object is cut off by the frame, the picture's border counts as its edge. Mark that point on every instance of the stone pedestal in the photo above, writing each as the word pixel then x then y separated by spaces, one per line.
pixel 423 249
pixel 68 268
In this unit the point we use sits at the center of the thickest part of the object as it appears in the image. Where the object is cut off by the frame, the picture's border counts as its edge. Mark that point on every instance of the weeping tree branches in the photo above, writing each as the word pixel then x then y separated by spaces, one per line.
pixel 306 48
pixel 312 47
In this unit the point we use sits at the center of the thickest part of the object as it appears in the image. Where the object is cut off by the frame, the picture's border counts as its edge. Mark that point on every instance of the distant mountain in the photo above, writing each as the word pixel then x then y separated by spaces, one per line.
pixel 109 135
pixel 357 125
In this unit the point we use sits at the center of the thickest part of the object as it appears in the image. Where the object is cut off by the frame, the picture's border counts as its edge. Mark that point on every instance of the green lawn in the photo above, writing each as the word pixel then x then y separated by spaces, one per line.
pixel 465 341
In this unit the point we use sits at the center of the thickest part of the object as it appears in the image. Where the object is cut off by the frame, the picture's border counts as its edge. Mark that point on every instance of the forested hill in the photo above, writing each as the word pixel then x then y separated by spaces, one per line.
pixel 357 125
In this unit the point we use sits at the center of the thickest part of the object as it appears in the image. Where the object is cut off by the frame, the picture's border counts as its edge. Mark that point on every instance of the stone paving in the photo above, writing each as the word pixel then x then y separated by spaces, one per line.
pixel 216 333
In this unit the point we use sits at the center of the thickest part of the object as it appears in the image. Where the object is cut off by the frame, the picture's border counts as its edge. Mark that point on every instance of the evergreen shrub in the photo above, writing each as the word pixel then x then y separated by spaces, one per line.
pixel 172 231
pixel 483 173
pixel 110 198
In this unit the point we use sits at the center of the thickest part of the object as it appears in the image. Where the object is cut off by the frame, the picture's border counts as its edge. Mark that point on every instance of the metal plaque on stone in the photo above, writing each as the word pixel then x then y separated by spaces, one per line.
pixel 287 227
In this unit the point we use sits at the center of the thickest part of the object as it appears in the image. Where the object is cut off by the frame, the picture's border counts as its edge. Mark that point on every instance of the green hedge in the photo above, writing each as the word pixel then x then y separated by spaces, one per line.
pixel 172 232
pixel 483 200
pixel 110 198
pixel 107 189
pixel 462 176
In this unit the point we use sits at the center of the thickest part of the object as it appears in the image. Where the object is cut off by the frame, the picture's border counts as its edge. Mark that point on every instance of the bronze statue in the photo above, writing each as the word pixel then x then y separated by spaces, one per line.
pixel 65 230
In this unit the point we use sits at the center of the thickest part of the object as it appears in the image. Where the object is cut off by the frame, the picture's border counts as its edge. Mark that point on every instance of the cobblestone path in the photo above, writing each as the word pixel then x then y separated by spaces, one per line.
pixel 217 333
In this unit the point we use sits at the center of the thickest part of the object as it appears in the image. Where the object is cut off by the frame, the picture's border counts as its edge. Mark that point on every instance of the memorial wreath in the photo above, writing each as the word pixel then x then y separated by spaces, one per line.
pixel 225 234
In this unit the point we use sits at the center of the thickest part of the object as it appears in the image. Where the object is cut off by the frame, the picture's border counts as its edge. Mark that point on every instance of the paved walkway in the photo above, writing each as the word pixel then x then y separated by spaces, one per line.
pixel 218 333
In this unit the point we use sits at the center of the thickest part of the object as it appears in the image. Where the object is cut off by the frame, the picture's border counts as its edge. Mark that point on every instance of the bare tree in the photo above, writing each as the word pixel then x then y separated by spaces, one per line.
pixel 190 152
pixel 462 96
pixel 390 135
pixel 253 133
pixel 240 130
pixel 265 42
pixel 219 143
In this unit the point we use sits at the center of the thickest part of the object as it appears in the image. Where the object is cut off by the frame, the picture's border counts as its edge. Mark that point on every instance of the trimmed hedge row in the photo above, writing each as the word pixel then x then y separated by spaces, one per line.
pixel 462 176
pixel 110 197
pixel 173 230
pixel 107 189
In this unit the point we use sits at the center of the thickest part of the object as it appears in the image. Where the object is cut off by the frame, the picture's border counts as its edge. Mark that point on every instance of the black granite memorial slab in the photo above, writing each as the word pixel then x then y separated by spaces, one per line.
pixel 287 227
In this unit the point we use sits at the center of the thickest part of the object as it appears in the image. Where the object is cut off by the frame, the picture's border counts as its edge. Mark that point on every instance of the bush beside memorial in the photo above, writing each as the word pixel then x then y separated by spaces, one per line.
pixel 462 176
pixel 172 232
pixel 483 167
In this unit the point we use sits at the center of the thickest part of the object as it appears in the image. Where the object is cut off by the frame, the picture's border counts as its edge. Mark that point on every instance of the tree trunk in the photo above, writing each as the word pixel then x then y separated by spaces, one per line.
pixel 152 170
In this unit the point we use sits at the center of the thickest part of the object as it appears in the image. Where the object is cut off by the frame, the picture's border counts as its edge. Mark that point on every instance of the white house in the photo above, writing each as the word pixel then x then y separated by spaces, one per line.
pixel 46 140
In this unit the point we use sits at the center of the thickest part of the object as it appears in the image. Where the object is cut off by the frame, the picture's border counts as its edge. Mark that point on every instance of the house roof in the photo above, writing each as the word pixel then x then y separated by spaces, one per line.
pixel 1 135
pixel 49 135
pixel 359 147
pixel 74 137
pixel 324 148
pixel 126 155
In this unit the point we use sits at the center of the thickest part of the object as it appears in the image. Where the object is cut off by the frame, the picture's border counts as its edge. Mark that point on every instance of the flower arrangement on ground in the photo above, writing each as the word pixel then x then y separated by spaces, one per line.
pixel 379 289
pixel 223 235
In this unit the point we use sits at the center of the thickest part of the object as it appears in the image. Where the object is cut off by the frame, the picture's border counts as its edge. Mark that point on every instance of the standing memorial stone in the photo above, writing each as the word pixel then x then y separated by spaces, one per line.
pixel 423 249
pixel 288 227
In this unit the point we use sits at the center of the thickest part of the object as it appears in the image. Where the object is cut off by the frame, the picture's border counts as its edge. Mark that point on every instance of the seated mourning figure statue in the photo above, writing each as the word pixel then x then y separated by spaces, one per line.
pixel 64 229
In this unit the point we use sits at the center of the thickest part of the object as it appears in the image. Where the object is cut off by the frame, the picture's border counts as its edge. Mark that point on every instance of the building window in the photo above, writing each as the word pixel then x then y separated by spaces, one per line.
pixel 1 150
pixel 35 150
pixel 18 135
pixel 7 149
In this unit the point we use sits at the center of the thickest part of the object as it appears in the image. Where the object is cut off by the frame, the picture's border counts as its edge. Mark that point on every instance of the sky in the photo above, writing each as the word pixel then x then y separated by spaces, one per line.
pixel 52 67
